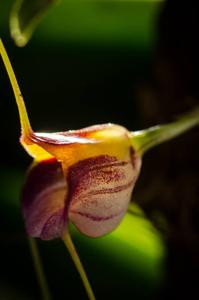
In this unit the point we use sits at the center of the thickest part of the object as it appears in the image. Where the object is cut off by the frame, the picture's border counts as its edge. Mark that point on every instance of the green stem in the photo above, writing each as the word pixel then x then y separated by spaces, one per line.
pixel 39 269
pixel 71 248
pixel 143 140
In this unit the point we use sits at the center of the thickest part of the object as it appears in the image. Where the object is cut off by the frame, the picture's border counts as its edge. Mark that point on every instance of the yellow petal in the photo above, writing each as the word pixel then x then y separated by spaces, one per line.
pixel 72 146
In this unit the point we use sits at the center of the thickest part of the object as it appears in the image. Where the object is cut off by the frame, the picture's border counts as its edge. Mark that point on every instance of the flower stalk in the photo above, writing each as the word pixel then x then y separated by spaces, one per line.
pixel 39 269
pixel 73 253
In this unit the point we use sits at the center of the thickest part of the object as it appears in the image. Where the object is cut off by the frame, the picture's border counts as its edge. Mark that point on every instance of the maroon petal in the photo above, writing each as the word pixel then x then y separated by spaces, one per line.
pixel 99 192
pixel 43 200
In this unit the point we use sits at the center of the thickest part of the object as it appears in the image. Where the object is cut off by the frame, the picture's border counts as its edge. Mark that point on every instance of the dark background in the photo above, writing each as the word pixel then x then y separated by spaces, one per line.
pixel 142 75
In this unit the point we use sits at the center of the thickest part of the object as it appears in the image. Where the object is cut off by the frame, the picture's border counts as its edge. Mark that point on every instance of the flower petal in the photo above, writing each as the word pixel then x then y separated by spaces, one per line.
pixel 43 200
pixel 100 191
pixel 72 146
pixel 92 182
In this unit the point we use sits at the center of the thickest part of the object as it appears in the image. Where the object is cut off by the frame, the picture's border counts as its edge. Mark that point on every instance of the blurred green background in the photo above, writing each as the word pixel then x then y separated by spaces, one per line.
pixel 90 62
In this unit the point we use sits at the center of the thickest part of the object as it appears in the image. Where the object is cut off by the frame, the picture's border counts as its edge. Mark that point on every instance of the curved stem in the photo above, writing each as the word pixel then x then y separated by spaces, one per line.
pixel 145 139
pixel 39 269
pixel 25 123
pixel 71 248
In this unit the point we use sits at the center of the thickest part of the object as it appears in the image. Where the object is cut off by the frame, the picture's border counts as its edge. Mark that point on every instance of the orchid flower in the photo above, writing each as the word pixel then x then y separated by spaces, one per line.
pixel 84 176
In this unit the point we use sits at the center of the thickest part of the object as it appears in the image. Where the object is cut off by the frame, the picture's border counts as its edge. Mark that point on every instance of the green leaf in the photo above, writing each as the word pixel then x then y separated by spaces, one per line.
pixel 25 16
pixel 101 21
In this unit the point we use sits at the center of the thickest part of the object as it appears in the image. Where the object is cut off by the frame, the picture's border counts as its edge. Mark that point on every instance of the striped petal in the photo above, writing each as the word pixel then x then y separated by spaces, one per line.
pixel 100 191
pixel 43 200
pixel 94 195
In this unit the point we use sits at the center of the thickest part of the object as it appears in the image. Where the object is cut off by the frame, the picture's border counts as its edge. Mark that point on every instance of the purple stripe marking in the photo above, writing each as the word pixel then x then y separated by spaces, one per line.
pixel 117 189
pixel 95 218
pixel 110 165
